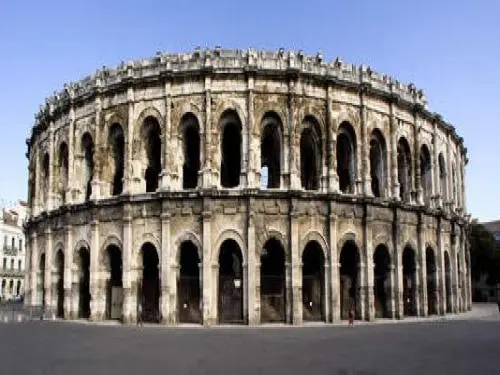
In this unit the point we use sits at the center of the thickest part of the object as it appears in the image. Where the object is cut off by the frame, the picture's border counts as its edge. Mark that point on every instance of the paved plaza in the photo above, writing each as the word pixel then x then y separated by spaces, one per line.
pixel 462 344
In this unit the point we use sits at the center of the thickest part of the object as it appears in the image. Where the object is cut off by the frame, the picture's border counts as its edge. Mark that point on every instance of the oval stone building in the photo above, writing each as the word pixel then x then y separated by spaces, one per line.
pixel 228 186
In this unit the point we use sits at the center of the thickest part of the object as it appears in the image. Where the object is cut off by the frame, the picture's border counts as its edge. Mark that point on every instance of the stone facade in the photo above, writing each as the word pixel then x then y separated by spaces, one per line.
pixel 225 186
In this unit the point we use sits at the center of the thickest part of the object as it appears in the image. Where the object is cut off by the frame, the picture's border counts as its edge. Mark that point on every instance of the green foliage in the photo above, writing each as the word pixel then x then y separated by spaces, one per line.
pixel 485 254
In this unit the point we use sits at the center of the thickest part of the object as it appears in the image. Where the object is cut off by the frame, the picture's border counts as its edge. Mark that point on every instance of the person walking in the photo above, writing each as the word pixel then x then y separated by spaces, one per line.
pixel 351 315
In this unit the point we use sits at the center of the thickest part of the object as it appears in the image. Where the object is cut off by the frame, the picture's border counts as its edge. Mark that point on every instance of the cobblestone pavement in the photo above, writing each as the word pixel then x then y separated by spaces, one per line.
pixel 461 344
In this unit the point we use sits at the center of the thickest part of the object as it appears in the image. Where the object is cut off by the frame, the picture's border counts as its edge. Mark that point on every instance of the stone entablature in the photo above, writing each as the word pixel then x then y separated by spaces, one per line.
pixel 226 151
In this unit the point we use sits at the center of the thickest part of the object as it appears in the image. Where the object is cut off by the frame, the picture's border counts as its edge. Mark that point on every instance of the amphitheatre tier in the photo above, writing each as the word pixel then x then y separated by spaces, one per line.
pixel 245 186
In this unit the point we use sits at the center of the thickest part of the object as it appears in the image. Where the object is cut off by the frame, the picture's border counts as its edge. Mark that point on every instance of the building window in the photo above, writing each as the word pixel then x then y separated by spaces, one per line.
pixel 19 265
pixel 12 264
pixel 20 245
pixel 4 263
pixel 13 243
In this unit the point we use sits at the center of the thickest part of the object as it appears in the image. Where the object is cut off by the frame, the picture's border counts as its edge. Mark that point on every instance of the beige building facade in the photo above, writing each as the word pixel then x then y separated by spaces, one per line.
pixel 228 186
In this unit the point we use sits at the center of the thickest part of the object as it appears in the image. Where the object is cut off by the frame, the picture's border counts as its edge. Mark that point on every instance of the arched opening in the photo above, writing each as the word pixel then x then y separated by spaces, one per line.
pixel 313 281
pixel 230 126
pixel 346 157
pixel 151 135
pixel 84 283
pixel 116 139
pixel 230 283
pixel 430 262
pixel 188 284
pixel 404 170
pixel 191 137
pixel 88 166
pixel 11 287
pixel 425 174
pixel 442 176
pixel 114 283
pixel 63 171
pixel 46 178
pixel 272 282
pixel 41 281
pixel 454 183
pixel 409 282
pixel 349 280
pixel 270 149
pixel 382 281
pixel 447 280
pixel 310 154
pixel 378 169
pixel 60 283
pixel 18 289
pixel 150 286
pixel 3 288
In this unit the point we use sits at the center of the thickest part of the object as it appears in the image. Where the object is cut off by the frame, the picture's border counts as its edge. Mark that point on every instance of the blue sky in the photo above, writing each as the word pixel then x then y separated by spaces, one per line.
pixel 450 49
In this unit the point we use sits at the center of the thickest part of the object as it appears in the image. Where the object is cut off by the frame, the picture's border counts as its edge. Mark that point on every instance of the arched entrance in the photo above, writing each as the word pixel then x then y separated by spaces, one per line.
pixel 41 281
pixel 272 282
pixel 230 283
pixel 60 283
pixel 188 284
pixel 84 283
pixel 313 282
pixel 114 283
pixel 382 281
pixel 150 285
pixel 18 289
pixel 447 280
pixel 409 282
pixel 430 262
pixel 349 279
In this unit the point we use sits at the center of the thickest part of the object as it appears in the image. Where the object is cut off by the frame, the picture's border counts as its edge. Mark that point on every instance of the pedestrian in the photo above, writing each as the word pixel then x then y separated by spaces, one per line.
pixel 351 315
pixel 139 314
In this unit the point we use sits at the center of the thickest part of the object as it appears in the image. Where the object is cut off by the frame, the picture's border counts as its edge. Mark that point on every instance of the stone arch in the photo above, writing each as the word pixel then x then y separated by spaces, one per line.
pixel 432 280
pixel 58 247
pixel 311 150
pixel 426 173
pixel 274 110
pixel 378 163
pixel 410 262
pixel 231 132
pixel 115 118
pixel 115 163
pixel 191 237
pixel 79 245
pixel 405 169
pixel 350 235
pixel 313 260
pixel 145 238
pixel 231 105
pixel 349 260
pixel 346 157
pixel 272 148
pixel 229 234
pixel 385 239
pixel 191 144
pixel 314 235
pixel 382 263
pixel 150 111
pixel 270 235
pixel 346 114
pixel 181 110
pixel 111 239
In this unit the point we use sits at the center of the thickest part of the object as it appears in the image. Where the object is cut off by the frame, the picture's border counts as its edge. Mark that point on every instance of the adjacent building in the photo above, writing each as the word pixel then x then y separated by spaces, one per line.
pixel 12 251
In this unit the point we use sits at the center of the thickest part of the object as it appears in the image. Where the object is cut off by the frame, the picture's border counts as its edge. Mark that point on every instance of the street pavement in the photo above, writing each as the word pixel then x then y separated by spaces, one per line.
pixel 458 344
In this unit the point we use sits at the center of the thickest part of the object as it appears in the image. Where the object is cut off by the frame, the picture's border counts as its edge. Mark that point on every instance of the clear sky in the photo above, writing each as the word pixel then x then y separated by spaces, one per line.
pixel 451 49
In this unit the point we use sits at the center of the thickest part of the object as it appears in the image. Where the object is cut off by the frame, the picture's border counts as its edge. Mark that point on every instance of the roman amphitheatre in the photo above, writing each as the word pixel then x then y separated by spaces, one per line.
pixel 245 187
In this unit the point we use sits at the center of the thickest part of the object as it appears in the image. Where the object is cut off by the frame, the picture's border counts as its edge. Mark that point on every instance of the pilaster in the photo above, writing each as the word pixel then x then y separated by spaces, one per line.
pixel 421 297
pixel 50 198
pixel 128 187
pixel 47 283
pixel 71 188
pixel 419 199
pixel 68 261
pixel 334 300
pixel 166 179
pixel 394 153
pixel 370 265
pixel 129 298
pixel 365 155
pixel 209 284
pixel 253 309
pixel 333 183
pixel 35 258
pixel 168 279
pixel 249 151
pixel 98 151
pixel 436 194
pixel 293 144
pixel 293 273
pixel 393 297
pixel 95 308
pixel 398 260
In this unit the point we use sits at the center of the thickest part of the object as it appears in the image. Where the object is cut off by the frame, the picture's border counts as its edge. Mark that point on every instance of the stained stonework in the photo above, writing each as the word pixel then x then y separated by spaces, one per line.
pixel 245 187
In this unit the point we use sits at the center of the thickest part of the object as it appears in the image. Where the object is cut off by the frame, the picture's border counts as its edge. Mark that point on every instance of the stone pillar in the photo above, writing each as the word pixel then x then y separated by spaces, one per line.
pixel 95 304
pixel 419 289
pixel 293 141
pixel 398 259
pixel 128 187
pixel 168 280
pixel 393 298
pixel 70 188
pixel 419 199
pixel 361 291
pixel 209 315
pixel 294 274
pixel 249 162
pixel 165 178
pixel 368 250
pixel 128 265
pixel 365 144
pixel 421 259
pixel 50 198
pixel 47 283
pixel 98 151
pixel 68 275
pixel 327 288
pixel 394 153
pixel 436 191
pixel 209 172
pixel 333 181
pixel 35 258
pixel 253 309
pixel 449 175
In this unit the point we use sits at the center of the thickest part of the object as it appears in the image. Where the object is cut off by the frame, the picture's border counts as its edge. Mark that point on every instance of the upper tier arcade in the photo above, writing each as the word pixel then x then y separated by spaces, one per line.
pixel 236 120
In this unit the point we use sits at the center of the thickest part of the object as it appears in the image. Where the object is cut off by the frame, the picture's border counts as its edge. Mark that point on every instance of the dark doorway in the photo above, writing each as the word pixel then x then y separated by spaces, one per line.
pixel 88 167
pixel 230 283
pixel 378 170
pixel 442 177
pixel 409 282
pixel 272 282
pixel 313 281
pixel 117 142
pixel 382 281
pixel 447 270
pixel 430 262
pixel 188 286
pixel 63 171
pixel 152 144
pixel 230 150
pixel 349 281
pixel 60 283
pixel 84 284
pixel 270 149
pixel 404 170
pixel 114 287
pixel 191 166
pixel 346 158
pixel 41 281
pixel 426 174
pixel 150 286
pixel 310 155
